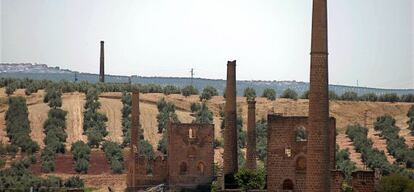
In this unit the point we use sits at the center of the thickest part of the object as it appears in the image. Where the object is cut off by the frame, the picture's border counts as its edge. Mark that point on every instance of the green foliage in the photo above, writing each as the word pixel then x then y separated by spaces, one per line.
pixel 241 134
pixel 389 97
pixel 195 107
pixel 410 122
pixel 218 143
pixel 261 139
pixel 94 123
pixel 18 178
pixel 349 96
pixel 269 93
pixel 395 144
pixel 166 112
pixel 249 93
pixel 113 153
pixel 74 182
pixel 162 143
pixel 204 115
pixel 11 88
pixel 18 126
pixel 396 183
pixel 126 117
pixel 409 98
pixel 305 95
pixel 208 93
pixel 344 163
pixel 373 158
pixel 146 149
pixel 333 96
pixel 81 153
pixel 189 90
pixel 289 94
pixel 171 89
pixel 369 97
pixel 301 134
pixel 250 179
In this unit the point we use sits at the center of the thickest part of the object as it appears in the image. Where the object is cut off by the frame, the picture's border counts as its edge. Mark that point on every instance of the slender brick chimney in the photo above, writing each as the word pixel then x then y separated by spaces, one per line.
pixel 230 163
pixel 251 135
pixel 134 144
pixel 317 168
pixel 102 64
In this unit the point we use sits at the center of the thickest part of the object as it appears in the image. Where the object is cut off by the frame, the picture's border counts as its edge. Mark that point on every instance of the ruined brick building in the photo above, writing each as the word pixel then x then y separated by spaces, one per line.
pixel 189 161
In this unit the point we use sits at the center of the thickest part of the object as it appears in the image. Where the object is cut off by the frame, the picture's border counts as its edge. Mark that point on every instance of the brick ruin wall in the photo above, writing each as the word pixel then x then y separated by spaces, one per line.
pixel 286 163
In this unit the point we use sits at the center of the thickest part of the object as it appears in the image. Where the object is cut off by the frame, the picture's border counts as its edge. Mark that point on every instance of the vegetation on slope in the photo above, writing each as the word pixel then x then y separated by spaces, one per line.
pixel 81 153
pixel 94 123
pixel 18 125
pixel 54 129
pixel 395 144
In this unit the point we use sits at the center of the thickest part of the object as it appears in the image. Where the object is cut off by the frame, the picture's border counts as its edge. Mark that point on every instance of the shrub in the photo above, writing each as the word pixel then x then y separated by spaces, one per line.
pixel 261 139
pixel 81 152
pixel 94 123
pixel 166 111
pixel 171 89
pixel 369 97
pixel 349 96
pixel 208 93
pixel 409 98
pixel 396 183
pixel 305 95
pixel 269 93
pixel 189 90
pixel 333 96
pixel 344 163
pixel 204 115
pixel 81 166
pixel 195 107
pixel 250 179
pixel 389 97
pixel 289 94
pixel 249 93
pixel 146 149
pixel 113 153
pixel 11 88
pixel 74 182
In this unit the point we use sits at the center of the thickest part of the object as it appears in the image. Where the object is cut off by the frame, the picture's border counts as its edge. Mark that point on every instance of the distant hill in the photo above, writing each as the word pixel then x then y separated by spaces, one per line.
pixel 42 71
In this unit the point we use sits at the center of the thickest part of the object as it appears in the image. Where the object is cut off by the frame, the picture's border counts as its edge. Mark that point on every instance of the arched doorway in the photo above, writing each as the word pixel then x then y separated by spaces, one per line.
pixel 287 185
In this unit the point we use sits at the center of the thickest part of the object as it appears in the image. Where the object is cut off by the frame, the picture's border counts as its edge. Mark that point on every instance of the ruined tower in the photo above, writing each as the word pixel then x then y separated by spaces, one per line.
pixel 318 169
pixel 102 65
pixel 251 135
pixel 134 144
pixel 230 163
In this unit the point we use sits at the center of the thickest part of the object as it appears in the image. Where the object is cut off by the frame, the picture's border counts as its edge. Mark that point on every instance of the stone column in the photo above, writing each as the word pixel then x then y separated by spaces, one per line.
pixel 251 135
pixel 230 163
pixel 102 64
pixel 318 165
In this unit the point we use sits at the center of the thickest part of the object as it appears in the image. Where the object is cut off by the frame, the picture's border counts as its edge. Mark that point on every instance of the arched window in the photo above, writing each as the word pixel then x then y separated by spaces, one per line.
pixel 201 168
pixel 301 134
pixel 301 164
pixel 191 133
pixel 287 185
pixel 183 168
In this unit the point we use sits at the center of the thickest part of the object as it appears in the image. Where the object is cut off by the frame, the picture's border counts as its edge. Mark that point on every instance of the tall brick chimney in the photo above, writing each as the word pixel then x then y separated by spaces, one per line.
pixel 230 163
pixel 251 135
pixel 317 168
pixel 134 144
pixel 102 64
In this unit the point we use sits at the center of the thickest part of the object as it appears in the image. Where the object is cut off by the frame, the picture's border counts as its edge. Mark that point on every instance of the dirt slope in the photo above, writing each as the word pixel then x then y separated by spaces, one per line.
pixel 73 103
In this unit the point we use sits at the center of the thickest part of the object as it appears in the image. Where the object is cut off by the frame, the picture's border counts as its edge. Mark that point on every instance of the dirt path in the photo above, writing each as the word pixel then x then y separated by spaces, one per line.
pixel 73 103
pixel 37 116
pixel 112 109
pixel 346 143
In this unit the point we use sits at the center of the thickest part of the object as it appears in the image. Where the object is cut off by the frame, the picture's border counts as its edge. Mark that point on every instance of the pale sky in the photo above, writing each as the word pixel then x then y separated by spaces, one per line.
pixel 369 40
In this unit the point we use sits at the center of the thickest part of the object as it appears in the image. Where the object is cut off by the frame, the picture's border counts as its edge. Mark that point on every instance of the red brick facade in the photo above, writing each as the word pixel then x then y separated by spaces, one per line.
pixel 251 135
pixel 230 163
pixel 287 156
pixel 318 175
pixel 364 181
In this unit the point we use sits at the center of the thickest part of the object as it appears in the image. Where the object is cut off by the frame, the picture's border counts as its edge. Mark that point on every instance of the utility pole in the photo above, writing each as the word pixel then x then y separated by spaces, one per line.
pixel 76 77
pixel 192 76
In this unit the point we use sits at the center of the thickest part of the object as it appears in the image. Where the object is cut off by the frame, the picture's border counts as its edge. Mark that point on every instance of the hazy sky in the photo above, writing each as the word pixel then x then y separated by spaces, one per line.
pixel 369 40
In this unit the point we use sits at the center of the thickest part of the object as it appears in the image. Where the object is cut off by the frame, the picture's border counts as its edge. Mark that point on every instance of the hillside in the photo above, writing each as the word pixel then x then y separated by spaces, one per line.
pixel 42 71
pixel 345 112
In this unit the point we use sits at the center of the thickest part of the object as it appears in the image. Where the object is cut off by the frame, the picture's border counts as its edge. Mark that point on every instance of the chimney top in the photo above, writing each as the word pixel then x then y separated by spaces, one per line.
pixel 102 42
